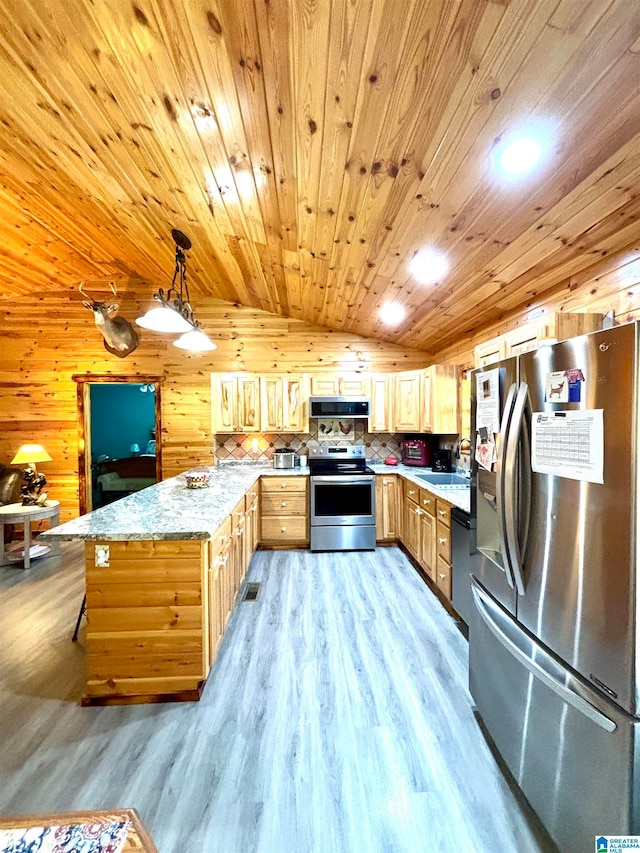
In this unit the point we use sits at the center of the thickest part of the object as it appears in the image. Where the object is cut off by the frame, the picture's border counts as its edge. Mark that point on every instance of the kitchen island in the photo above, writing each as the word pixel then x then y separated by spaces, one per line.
pixel 163 569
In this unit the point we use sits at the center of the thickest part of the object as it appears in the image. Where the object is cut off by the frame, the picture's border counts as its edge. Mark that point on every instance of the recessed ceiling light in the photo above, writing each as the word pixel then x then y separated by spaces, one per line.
pixel 428 266
pixel 392 313
pixel 520 156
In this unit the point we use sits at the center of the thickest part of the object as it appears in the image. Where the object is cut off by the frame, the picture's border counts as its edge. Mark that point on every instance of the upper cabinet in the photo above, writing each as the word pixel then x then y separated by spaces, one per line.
pixel 380 408
pixel 527 338
pixel 439 409
pixel 235 403
pixel 411 401
pixel 336 385
pixel 250 403
pixel 284 403
pixel 406 401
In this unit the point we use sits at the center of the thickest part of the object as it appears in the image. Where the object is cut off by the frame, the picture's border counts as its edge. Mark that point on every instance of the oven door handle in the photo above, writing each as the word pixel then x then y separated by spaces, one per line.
pixel 344 480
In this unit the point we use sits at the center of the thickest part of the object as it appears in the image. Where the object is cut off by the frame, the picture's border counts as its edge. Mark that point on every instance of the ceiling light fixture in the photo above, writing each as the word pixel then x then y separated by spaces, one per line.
pixel 392 313
pixel 428 266
pixel 520 155
pixel 176 314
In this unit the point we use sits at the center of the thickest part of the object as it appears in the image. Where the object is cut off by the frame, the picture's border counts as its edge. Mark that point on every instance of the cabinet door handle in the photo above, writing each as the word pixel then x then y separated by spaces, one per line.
pixel 411 492
pixel 441 541
pixel 418 511
pixel 442 512
pixel 441 576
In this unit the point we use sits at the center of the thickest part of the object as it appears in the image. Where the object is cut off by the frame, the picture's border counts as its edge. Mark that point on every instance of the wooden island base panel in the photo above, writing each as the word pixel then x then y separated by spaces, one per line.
pixel 147 631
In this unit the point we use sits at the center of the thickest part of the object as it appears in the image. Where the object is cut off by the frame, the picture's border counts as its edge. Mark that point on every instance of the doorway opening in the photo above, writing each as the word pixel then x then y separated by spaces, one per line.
pixel 119 430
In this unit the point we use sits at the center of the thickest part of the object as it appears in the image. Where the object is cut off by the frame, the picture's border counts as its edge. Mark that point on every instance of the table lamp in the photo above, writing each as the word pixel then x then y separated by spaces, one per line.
pixel 29 455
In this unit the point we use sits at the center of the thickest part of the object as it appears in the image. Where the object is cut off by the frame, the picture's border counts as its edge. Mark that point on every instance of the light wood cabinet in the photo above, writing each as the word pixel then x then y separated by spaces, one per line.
pixel 235 403
pixel 387 507
pixel 439 400
pixel 380 399
pixel 284 405
pixel 338 385
pixel 219 587
pixel 411 520
pixel 443 547
pixel 284 517
pixel 251 524
pixel 465 408
pixel 560 326
pixel 428 533
pixel 407 401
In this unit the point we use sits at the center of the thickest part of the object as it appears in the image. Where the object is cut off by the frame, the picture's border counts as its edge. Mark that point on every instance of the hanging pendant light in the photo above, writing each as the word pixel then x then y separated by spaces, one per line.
pixel 176 314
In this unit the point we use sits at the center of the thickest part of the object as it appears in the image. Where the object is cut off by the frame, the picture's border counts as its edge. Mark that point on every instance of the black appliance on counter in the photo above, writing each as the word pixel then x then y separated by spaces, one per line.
pixel 343 495
pixel 442 460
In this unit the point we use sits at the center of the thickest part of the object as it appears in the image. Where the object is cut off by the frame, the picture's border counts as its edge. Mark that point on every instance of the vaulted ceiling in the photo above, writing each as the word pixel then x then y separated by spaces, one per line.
pixel 309 148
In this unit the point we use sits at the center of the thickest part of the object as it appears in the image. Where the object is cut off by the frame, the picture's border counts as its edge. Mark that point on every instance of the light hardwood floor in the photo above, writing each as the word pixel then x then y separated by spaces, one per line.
pixel 336 720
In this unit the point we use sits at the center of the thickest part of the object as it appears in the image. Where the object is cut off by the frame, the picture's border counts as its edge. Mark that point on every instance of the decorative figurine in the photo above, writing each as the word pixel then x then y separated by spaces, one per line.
pixel 31 491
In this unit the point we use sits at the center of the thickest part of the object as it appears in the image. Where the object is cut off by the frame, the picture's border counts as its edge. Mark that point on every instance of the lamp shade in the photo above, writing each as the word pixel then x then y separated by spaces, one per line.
pixel 31 453
pixel 195 341
pixel 164 319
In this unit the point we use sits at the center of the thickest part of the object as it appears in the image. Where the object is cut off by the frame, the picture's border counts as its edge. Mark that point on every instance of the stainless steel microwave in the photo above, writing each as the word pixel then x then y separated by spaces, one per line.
pixel 338 407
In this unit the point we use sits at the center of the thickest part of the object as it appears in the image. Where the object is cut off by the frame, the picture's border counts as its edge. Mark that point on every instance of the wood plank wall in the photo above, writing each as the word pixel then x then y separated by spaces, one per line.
pixel 46 339
pixel 609 285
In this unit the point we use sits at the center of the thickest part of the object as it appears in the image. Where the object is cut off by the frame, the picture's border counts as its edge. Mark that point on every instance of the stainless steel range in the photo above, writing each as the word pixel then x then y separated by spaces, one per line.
pixel 343 499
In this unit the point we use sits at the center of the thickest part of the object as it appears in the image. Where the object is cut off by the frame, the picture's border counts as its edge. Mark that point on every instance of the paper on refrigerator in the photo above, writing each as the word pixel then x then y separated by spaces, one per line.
pixel 488 400
pixel 569 444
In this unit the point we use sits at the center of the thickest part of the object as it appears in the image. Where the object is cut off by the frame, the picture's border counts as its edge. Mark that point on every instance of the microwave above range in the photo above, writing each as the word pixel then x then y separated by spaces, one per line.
pixel 338 407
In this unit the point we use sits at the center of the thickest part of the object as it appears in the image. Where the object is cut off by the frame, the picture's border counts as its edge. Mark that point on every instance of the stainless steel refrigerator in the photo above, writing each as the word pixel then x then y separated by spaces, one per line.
pixel 554 641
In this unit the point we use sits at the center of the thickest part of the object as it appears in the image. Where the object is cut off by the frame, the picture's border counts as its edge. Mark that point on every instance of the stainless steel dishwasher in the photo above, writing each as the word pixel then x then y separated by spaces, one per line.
pixel 463 549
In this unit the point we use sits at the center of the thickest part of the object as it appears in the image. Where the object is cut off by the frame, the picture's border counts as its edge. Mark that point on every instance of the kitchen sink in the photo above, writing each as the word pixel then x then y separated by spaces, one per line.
pixel 445 481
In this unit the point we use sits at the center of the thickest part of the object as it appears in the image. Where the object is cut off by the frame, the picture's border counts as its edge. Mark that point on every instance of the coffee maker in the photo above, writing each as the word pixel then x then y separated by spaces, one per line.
pixel 442 460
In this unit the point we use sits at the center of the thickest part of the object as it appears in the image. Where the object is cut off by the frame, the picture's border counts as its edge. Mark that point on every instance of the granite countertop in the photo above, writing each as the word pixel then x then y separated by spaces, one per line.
pixel 168 510
pixel 457 497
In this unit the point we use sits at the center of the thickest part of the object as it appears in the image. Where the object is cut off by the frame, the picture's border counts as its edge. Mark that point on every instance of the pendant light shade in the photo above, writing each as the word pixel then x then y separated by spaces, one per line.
pixel 163 320
pixel 195 341
pixel 175 315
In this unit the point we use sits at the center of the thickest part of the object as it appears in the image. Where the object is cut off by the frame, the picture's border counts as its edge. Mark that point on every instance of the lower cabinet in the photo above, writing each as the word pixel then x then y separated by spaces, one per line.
pixel 284 511
pixel 231 550
pixel 427 557
pixel 443 547
pixel 220 585
pixel 411 519
pixel 388 503
pixel 426 533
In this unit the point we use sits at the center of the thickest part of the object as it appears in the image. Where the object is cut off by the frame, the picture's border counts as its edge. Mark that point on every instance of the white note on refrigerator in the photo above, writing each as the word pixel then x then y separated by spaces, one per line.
pixel 488 400
pixel 568 444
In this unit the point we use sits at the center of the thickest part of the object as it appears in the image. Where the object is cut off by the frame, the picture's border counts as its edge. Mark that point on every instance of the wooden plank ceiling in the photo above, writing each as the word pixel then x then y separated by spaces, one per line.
pixel 309 148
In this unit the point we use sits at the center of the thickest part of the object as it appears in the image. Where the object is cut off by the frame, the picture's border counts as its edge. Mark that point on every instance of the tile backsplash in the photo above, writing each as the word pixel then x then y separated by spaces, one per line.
pixel 240 446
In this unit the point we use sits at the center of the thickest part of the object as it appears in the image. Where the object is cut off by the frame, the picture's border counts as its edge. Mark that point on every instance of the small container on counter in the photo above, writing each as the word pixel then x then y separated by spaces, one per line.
pixel 197 479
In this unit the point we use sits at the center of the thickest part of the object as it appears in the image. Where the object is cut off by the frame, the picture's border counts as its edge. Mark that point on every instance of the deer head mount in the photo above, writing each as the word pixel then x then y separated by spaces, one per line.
pixel 120 338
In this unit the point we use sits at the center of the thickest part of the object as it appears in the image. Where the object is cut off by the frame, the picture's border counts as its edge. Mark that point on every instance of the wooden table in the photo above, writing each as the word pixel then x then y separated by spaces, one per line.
pixel 19 514
pixel 138 839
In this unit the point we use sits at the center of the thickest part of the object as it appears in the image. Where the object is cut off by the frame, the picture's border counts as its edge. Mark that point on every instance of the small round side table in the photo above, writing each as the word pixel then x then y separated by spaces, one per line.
pixel 18 514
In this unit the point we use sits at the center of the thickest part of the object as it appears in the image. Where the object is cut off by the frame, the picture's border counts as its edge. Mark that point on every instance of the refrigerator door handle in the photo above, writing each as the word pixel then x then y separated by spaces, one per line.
pixel 510 486
pixel 505 426
pixel 544 668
